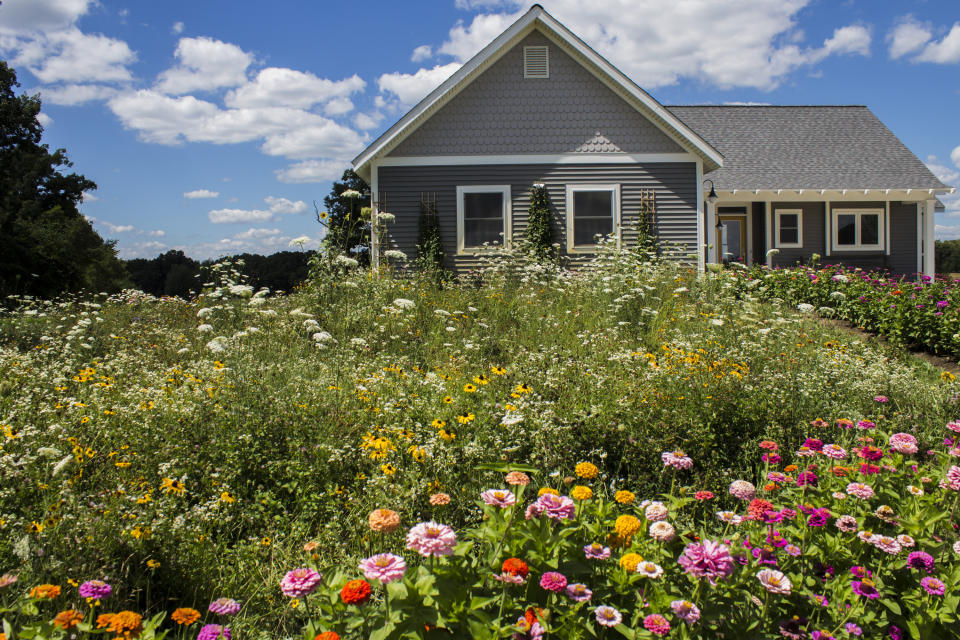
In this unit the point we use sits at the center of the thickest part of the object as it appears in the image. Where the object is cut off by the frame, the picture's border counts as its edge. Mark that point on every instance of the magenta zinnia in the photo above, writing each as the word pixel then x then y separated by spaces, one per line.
pixel 431 539
pixel 903 443
pixel 385 567
pixel 933 586
pixel 554 507
pixel 95 589
pixel 710 559
pixel 656 624
pixel 224 606
pixel 553 581
pixel 676 459
pixel 299 582
pixel 214 632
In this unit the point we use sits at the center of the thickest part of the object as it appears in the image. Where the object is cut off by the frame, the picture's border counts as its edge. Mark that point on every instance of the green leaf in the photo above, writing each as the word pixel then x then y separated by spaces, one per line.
pixel 505 467
pixel 892 605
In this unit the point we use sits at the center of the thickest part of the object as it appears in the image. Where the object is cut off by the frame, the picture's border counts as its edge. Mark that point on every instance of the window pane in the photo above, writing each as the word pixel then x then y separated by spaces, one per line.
pixel 788 221
pixel 476 232
pixel 789 236
pixel 593 204
pixel 870 229
pixel 847 229
pixel 483 205
pixel 584 229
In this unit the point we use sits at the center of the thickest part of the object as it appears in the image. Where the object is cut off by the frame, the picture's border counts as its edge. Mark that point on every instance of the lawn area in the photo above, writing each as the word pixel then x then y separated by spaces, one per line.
pixel 185 451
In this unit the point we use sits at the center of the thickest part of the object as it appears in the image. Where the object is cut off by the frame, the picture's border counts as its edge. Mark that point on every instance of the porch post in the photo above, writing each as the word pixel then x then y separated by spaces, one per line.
pixel 374 235
pixel 929 224
pixel 768 225
pixel 702 257
pixel 711 232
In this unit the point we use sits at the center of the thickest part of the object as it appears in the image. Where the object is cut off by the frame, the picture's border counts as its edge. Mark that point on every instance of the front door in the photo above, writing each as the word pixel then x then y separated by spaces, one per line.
pixel 732 237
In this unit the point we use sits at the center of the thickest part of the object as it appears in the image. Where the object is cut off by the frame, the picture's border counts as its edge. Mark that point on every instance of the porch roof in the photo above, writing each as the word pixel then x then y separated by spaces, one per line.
pixel 805 147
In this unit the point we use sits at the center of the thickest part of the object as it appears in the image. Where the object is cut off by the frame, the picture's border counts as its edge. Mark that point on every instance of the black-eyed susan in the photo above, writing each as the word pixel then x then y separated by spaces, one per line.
pixel 169 485
pixel 481 379
pixel 498 371
pixel 469 388
pixel 523 388
pixel 227 498
pixel 448 435
pixel 438 423
pixel 388 469
pixel 448 399
pixel 466 418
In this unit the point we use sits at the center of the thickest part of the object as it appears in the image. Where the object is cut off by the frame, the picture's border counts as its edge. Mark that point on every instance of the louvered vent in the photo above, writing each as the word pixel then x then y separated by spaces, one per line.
pixel 536 62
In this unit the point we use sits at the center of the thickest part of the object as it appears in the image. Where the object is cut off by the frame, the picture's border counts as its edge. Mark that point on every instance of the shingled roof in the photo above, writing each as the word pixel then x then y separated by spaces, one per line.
pixel 805 147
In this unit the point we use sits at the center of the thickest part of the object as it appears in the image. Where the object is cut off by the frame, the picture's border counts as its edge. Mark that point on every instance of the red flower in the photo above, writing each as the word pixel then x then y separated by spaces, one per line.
pixel 703 495
pixel 757 508
pixel 355 592
pixel 769 445
pixel 328 635
pixel 516 567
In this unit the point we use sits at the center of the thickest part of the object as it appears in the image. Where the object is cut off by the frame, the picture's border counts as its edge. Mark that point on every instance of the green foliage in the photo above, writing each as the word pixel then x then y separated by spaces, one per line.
pixel 46 246
pixel 947 256
pixel 539 235
pixel 647 246
pixel 286 420
pixel 431 258
pixel 348 232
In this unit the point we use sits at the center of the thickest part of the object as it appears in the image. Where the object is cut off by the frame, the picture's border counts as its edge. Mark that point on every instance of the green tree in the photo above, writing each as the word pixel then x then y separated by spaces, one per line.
pixel 539 225
pixel 347 230
pixel 46 246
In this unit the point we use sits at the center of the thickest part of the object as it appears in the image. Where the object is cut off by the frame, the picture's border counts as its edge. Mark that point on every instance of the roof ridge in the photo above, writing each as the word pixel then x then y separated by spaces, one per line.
pixel 768 106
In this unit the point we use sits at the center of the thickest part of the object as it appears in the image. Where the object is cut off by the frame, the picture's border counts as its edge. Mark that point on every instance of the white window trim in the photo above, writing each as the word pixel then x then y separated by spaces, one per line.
pixel 881 231
pixel 504 190
pixel 776 233
pixel 571 188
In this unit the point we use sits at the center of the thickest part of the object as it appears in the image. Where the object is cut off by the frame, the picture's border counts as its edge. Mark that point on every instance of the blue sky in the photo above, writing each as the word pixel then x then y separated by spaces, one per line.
pixel 212 126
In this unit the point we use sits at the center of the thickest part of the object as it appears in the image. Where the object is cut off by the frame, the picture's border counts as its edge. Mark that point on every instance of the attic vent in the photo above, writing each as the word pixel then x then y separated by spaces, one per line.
pixel 536 62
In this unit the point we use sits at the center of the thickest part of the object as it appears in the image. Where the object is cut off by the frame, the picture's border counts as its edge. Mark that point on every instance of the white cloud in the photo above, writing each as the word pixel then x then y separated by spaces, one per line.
pixel 73 56
pixel 200 193
pixel 947 232
pixel 277 87
pixel 40 15
pixel 313 171
pixel 205 64
pixel 728 43
pixel 282 205
pixel 364 121
pixel 948 175
pixel 338 107
pixel 483 4
pixel 324 138
pixel 421 53
pixel 73 94
pixel 955 156
pixel 227 216
pixel 177 28
pixel 146 249
pixel 945 51
pixel 907 36
pixel 44 120
pixel 410 88
pixel 88 196
pixel 257 233
pixel 156 233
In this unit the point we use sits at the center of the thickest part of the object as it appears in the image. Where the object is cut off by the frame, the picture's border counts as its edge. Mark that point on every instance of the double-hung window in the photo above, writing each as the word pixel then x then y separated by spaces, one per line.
pixel 789 229
pixel 592 210
pixel 483 217
pixel 858 230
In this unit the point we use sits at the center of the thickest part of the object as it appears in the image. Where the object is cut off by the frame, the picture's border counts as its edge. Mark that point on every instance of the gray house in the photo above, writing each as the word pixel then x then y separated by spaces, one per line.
pixel 538 105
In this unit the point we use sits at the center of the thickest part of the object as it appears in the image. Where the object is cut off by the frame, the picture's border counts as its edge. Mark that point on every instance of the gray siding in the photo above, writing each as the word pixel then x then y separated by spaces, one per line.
pixel 759 233
pixel 501 112
pixel 675 187
pixel 813 230
pixel 903 238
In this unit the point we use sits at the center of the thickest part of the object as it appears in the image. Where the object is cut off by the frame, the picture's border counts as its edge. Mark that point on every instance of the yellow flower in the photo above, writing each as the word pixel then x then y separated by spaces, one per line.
pixel 624 497
pixel 469 388
pixel 523 388
pixel 388 469
pixel 121 465
pixel 626 526
pixel 465 418
pixel 630 561
pixel 581 493
pixel 946 376
pixel 498 371
pixel 448 399
pixel 448 435
pixel 544 490
pixel 226 497
pixel 586 470
pixel 265 542
pixel 481 379
pixel 169 485
pixel 153 564
pixel 438 423
pixel 294 603
pixel 417 452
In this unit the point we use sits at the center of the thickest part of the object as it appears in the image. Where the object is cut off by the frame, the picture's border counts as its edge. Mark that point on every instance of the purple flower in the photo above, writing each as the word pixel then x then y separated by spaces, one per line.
pixel 821 635
pixel 813 443
pixel 818 518
pixel 553 581
pixel 607 616
pixel 933 586
pixel 214 631
pixel 554 507
pixel 299 582
pixel 807 478
pixel 579 592
pixel 95 589
pixel 861 572
pixel 710 559
pixel 686 611
pixel 793 628
pixel 596 551
pixel 224 606
pixel 920 560
pixel 894 631
pixel 865 588
pixel 881 399
pixel 853 629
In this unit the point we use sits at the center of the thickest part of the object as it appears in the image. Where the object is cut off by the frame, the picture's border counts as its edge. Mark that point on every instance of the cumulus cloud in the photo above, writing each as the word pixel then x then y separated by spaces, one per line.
pixel 947 175
pixel 277 87
pixel 200 193
pixel 741 43
pixel 312 171
pixel 88 196
pixel 277 207
pixel 44 120
pixel 144 249
pixel 421 53
pixel 73 56
pixel 364 121
pixel 955 156
pixel 409 88
pixel 73 94
pixel 282 205
pixel 40 15
pixel 177 28
pixel 907 36
pixel 945 51
pixel 205 64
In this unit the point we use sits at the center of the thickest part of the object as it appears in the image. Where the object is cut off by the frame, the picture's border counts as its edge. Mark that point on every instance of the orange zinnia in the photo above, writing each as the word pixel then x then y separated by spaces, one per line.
pixel 355 592
pixel 185 616
pixel 516 567
pixel 328 635
pixel 126 624
pixel 68 619
pixel 49 591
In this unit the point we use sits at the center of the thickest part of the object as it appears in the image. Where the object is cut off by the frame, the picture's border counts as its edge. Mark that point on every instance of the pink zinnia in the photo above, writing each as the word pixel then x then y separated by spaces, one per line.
pixel 903 443
pixel 866 424
pixel 431 539
pixel 214 632
pixel 833 451
pixel 686 610
pixel 933 586
pixel 656 624
pixel 774 581
pixel 954 426
pixel 299 582
pixel 385 567
pixel 498 498
pixel 553 581
pixel 95 589
pixel 953 478
pixel 676 459
pixel 860 490
pixel 224 606
pixel 710 559
pixel 596 551
pixel 846 523
pixel 554 507
pixel 607 616
pixel 579 592
pixel 742 489
pixel 886 544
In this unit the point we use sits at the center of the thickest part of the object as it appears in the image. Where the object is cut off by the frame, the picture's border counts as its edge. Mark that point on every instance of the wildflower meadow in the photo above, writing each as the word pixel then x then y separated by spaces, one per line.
pixel 621 450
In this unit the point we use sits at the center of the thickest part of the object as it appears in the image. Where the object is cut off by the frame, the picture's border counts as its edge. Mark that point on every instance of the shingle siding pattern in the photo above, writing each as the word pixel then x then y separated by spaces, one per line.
pixel 822 147
pixel 674 185
pixel 500 113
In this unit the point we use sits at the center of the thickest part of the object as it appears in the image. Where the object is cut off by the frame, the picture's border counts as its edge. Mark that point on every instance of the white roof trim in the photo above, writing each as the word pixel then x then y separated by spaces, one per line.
pixel 524 24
